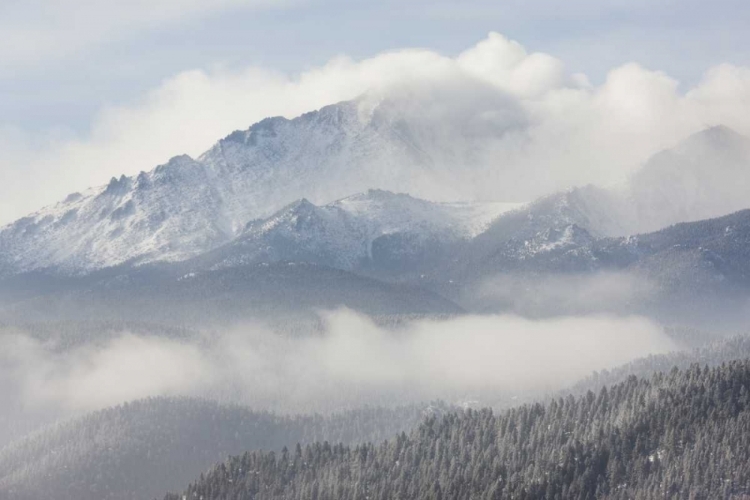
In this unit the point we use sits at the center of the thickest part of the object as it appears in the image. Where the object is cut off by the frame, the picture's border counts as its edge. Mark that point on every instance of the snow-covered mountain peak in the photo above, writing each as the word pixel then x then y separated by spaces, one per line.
pixel 345 232
pixel 188 206
pixel 381 143
pixel 382 212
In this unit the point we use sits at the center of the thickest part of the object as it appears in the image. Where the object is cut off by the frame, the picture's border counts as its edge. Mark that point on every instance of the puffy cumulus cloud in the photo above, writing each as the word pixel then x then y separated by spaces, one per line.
pixel 723 97
pixel 506 64
pixel 351 363
pixel 565 131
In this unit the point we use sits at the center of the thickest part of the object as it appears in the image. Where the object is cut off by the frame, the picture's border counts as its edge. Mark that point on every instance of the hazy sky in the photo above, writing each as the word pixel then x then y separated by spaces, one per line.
pixel 63 59
pixel 66 64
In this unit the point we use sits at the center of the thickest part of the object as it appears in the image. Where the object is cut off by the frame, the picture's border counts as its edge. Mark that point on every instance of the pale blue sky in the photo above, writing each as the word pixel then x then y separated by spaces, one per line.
pixel 69 57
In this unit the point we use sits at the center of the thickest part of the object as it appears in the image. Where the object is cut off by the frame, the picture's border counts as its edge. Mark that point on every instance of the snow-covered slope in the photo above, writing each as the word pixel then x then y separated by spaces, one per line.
pixel 545 225
pixel 188 206
pixel 171 213
pixel 363 230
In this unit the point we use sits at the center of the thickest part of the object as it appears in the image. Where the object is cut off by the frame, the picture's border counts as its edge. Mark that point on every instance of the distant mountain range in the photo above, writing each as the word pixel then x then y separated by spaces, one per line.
pixel 189 206
pixel 241 190
pixel 212 226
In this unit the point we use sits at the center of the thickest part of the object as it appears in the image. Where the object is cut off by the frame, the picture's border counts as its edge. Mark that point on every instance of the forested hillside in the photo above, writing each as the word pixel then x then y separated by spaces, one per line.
pixel 144 448
pixel 713 353
pixel 681 434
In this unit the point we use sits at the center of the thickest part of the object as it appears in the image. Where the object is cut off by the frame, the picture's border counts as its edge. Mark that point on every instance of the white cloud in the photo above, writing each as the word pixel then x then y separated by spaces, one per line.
pixel 573 132
pixel 552 295
pixel 353 362
pixel 506 64
pixel 129 367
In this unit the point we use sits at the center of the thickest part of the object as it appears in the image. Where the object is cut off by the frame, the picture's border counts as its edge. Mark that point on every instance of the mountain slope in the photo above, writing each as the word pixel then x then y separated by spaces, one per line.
pixel 141 449
pixel 710 254
pixel 552 225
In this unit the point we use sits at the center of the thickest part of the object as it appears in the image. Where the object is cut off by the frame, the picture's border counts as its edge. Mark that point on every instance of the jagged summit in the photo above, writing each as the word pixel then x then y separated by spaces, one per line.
pixel 358 231
pixel 187 206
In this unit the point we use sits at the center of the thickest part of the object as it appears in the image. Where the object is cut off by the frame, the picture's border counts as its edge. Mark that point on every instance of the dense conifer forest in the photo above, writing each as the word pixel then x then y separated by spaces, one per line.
pixel 679 434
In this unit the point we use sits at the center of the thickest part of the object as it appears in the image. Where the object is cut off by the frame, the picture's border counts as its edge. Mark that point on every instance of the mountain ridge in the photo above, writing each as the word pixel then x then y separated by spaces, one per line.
pixel 187 207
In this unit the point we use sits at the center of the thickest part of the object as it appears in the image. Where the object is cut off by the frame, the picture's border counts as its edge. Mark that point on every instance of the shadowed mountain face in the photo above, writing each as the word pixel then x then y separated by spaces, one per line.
pixel 690 273
pixel 174 295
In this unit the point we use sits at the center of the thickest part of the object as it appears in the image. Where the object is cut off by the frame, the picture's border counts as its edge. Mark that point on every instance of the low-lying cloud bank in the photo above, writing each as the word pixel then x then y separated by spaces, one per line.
pixel 567 131
pixel 353 362
pixel 547 295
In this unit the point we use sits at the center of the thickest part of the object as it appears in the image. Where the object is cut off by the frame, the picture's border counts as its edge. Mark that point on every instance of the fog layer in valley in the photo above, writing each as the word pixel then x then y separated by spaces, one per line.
pixel 560 294
pixel 352 362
